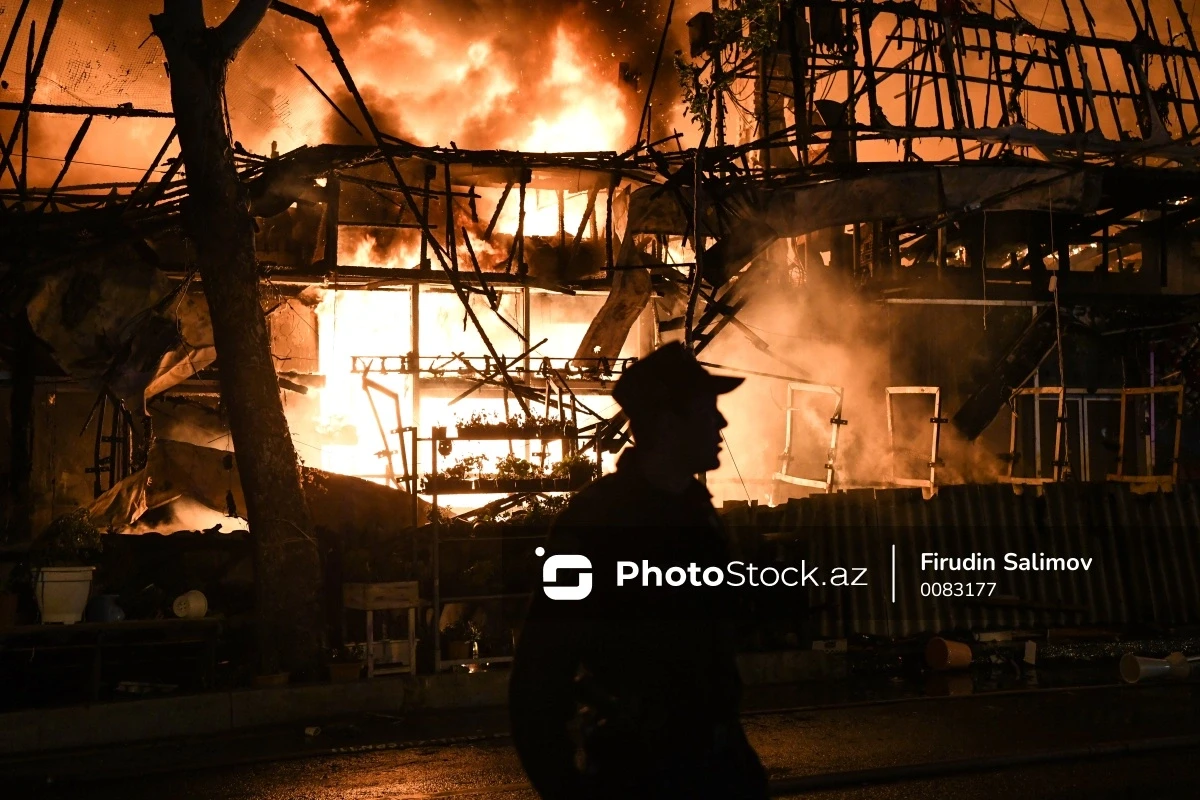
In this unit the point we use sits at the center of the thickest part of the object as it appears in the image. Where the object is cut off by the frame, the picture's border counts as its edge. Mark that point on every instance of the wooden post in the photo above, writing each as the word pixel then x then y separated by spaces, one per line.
pixel 451 247
pixel 430 170
pixel 522 268
pixel 941 250
pixel 608 222
pixel 332 211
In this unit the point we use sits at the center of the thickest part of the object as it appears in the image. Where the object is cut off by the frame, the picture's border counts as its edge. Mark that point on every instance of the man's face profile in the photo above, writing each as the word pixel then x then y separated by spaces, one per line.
pixel 691 433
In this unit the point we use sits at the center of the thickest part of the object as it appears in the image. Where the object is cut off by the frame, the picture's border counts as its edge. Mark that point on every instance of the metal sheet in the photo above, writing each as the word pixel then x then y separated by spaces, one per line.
pixel 1145 551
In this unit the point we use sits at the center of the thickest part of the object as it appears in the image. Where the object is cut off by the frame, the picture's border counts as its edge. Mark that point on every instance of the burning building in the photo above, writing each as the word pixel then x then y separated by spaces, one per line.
pixel 952 251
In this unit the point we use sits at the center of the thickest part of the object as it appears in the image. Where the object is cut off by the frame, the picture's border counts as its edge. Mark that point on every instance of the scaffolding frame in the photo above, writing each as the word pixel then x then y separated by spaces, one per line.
pixel 1058 463
pixel 936 420
pixel 1165 482
pixel 1080 396
pixel 835 424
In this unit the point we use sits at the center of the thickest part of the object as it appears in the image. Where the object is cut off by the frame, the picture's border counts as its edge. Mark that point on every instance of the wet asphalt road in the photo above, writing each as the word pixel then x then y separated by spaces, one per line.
pixel 490 772
pixel 791 744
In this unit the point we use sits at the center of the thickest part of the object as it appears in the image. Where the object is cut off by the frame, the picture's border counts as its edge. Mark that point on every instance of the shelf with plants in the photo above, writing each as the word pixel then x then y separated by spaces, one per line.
pixel 538 484
pixel 511 475
pixel 482 426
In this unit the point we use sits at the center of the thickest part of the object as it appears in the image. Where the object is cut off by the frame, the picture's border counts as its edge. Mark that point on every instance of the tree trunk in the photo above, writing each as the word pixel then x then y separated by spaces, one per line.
pixel 21 406
pixel 290 623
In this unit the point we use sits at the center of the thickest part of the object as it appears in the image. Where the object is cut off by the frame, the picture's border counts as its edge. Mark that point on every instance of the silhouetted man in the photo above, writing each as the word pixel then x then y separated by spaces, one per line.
pixel 643 677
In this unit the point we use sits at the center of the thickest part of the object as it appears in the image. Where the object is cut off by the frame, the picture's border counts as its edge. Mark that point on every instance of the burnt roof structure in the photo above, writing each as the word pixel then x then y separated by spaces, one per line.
pixel 976 157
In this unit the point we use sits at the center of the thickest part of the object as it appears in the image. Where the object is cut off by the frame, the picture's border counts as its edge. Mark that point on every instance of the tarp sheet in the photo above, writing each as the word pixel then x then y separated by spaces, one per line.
pixel 209 476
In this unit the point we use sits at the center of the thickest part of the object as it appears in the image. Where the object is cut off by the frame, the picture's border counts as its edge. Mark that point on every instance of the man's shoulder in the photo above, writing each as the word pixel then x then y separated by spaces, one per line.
pixel 593 514
pixel 599 492
pixel 615 499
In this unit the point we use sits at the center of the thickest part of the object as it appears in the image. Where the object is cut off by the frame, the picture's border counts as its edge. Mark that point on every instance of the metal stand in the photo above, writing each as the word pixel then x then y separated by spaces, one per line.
pixel 835 423
pixel 372 597
pixel 936 420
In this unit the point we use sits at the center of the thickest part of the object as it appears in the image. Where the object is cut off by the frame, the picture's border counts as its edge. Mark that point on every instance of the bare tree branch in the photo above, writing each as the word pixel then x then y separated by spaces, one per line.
pixel 231 34
pixel 178 17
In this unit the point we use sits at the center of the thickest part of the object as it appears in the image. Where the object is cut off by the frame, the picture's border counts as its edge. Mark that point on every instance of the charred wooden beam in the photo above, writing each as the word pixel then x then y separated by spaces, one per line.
pixel 1011 371
pixel 12 37
pixel 154 164
pixel 23 116
pixel 491 226
pixel 337 109
pixel 31 83
pixel 383 186
pixel 87 111
pixel 67 160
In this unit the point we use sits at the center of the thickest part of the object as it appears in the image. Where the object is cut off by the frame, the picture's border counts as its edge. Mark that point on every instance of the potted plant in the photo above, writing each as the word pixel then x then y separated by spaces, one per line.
pixel 576 468
pixel 480 423
pixel 346 663
pixel 462 640
pixel 464 470
pixel 63 559
pixel 513 468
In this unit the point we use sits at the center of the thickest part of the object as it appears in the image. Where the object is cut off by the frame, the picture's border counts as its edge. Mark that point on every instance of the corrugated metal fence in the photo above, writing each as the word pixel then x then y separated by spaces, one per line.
pixel 1145 551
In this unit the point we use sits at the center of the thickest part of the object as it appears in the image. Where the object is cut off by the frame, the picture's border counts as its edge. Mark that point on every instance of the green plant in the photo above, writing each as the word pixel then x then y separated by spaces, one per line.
pixel 348 654
pixel 538 510
pixel 465 467
pixel 742 33
pixel 478 420
pixel 513 468
pixel 575 466
pixel 462 631
pixel 71 540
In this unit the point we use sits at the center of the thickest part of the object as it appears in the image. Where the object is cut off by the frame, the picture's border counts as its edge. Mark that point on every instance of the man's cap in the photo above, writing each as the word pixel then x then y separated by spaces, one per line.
pixel 668 376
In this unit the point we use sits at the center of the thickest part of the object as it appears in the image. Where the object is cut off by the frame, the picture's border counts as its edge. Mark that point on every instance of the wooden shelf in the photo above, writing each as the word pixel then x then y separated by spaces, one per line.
pixel 501 485
pixel 505 436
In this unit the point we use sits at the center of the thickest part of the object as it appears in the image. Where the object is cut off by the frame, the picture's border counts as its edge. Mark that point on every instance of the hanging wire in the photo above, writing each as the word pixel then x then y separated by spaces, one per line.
pixel 1064 455
pixel 983 267
pixel 742 480
pixel 1062 378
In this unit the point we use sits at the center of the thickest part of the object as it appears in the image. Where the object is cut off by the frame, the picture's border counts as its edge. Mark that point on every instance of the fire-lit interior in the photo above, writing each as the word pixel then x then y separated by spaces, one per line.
pixel 366 331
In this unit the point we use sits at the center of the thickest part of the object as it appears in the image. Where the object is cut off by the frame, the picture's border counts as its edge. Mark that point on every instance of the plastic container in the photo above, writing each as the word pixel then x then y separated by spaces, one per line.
pixel 62 593
pixel 943 654
pixel 1136 668
pixel 190 605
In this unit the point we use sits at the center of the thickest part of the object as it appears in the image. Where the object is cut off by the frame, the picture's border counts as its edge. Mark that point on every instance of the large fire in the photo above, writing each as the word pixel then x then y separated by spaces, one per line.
pixel 378 323
pixel 495 76
pixel 572 105
pixel 590 117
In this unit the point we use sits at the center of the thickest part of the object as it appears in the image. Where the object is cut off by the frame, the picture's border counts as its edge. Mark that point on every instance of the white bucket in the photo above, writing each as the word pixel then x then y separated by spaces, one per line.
pixel 190 605
pixel 1135 668
pixel 62 593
